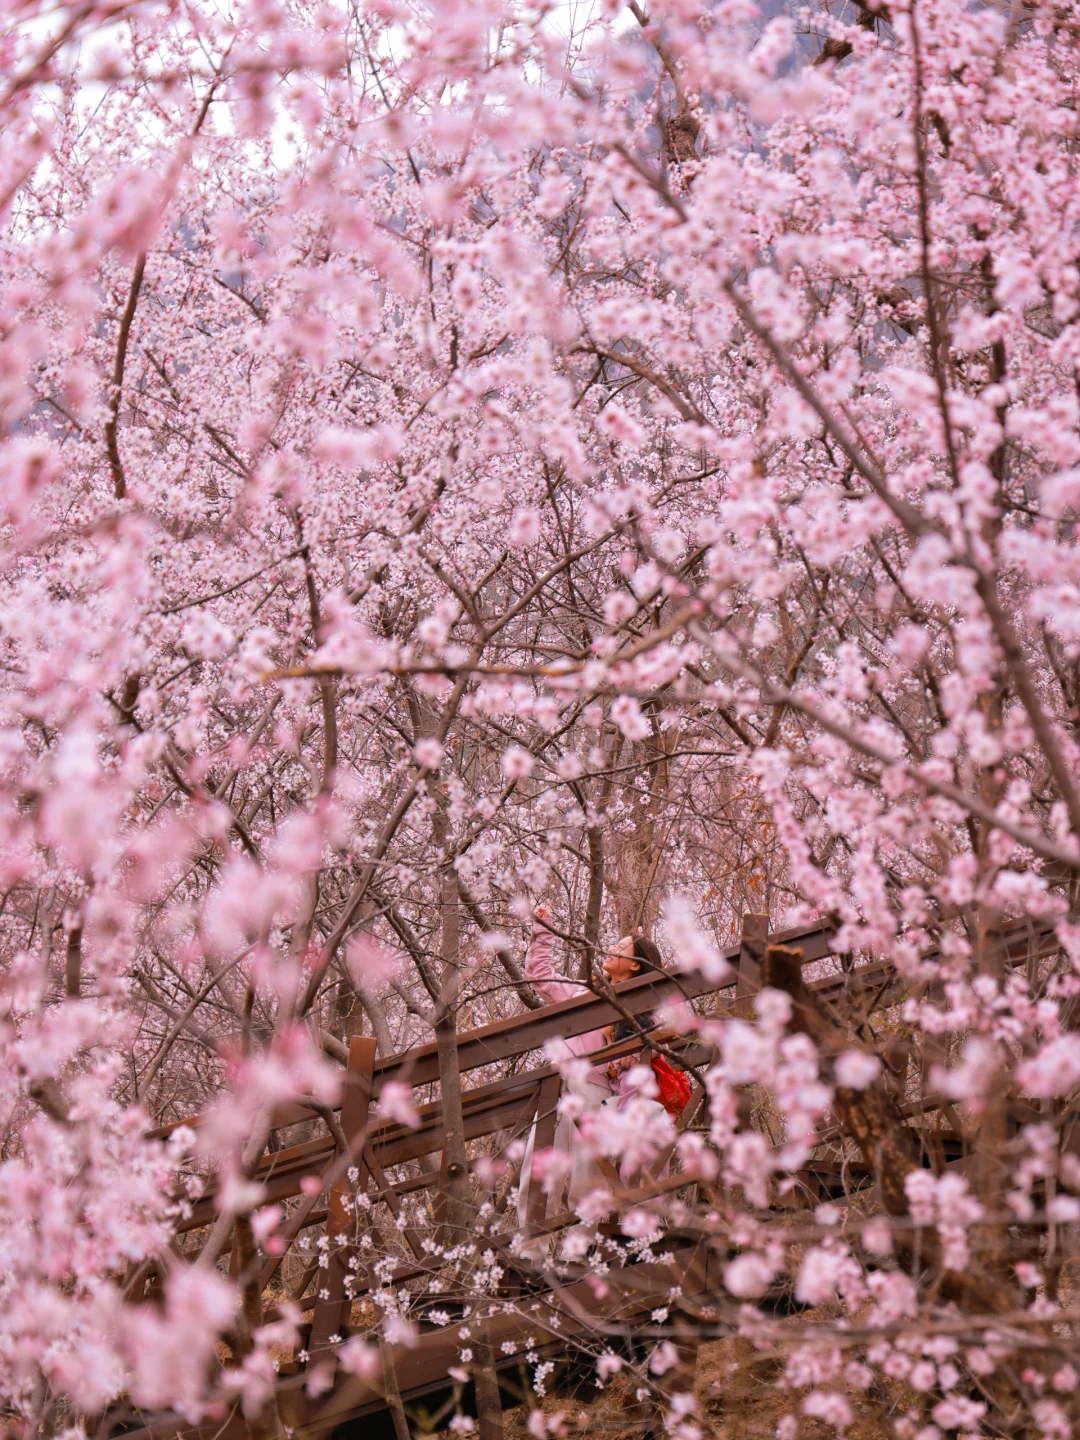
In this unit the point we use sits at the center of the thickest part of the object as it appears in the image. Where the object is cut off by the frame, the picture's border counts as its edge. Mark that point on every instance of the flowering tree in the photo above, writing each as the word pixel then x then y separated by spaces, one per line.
pixel 455 457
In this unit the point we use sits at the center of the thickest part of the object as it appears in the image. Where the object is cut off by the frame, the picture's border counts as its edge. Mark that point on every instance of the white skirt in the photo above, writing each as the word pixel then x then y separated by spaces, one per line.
pixel 585 1174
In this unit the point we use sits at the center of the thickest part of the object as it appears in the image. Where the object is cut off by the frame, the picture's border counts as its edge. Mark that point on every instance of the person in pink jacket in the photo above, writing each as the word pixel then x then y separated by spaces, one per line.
pixel 540 972
pixel 619 964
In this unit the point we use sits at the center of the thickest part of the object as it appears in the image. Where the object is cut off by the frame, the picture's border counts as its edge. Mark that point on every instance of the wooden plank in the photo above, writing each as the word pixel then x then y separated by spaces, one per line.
pixel 547 1118
pixel 608 1171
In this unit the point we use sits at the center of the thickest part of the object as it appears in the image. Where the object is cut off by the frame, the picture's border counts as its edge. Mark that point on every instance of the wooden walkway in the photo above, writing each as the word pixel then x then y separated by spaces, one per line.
pixel 311 1178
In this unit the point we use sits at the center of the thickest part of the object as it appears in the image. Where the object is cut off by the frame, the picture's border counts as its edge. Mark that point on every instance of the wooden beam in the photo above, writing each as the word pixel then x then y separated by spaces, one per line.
pixel 520 1034
pixel 488 1108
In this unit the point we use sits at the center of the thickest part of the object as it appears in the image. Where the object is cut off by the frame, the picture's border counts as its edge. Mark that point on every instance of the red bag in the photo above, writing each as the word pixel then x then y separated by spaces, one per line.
pixel 674 1087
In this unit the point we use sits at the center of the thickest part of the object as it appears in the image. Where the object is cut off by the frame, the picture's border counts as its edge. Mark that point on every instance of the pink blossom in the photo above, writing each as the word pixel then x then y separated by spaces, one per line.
pixel 598 1204
pixel 829 1406
pixel 922 1376
pixel 877 1236
pixel 616 423
pixel 639 1223
pixel 370 961
pixel 972 1078
pixel 358 1357
pixel 626 713
pixel 608 1364
pixel 855 1070
pixel 517 763
pixel 524 527
pixel 749 1276
pixel 265 1221
pixel 396 1103
pixel 825 1272
pixel 692 949
pixel 958 1410
pixel 664 1358
pixel 1054 1069
pixel 168 1351
pixel 428 754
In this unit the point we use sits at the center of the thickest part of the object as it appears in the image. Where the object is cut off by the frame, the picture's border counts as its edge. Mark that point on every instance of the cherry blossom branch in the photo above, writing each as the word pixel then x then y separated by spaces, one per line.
pixel 116 390
pixel 775 695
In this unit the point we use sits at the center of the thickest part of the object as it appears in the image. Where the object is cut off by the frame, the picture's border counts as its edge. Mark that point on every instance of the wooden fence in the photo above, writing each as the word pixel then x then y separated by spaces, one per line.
pixel 312 1177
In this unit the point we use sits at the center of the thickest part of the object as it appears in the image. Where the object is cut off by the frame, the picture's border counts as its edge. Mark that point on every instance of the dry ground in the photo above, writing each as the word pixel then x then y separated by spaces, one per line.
pixel 738 1399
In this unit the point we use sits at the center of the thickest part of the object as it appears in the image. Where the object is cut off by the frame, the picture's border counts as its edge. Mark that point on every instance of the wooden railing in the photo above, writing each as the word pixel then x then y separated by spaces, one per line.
pixel 315 1171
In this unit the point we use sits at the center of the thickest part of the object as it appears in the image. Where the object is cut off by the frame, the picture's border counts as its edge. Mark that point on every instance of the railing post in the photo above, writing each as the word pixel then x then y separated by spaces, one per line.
pixel 332 1308
pixel 547 1117
pixel 755 938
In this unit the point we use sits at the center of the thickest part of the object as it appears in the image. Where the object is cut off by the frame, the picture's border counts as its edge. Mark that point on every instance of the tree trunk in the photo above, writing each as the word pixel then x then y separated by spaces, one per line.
pixel 639 845
pixel 459 1212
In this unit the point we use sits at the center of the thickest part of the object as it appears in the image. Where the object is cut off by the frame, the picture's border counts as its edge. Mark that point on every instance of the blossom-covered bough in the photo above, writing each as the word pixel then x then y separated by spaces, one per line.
pixel 465 454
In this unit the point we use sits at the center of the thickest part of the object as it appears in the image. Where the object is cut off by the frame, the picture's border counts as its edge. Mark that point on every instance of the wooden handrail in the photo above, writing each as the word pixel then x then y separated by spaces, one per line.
pixel 519 1034
pixel 487 1110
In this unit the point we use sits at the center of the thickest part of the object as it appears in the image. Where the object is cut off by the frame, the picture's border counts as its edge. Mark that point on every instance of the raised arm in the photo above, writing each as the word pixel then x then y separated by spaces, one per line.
pixel 540 965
